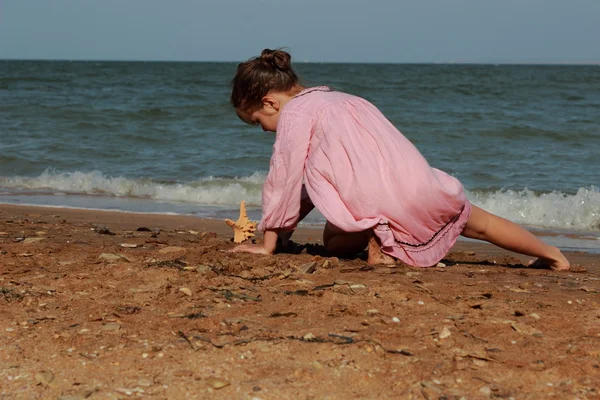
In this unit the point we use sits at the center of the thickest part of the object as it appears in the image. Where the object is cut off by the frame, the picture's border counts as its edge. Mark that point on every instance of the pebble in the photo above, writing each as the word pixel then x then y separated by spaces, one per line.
pixel 144 382
pixel 396 320
pixel 112 257
pixel 102 230
pixel 186 291
pixel 204 269
pixel 518 290
pixel 113 326
pixel 44 378
pixel 129 245
pixel 171 249
pixel 373 311
pixel 445 333
pixel 440 265
pixel 33 240
pixel 485 390
pixel 129 391
pixel 217 383
pixel 309 337
pixel 308 268
pixel 525 329
pixel 358 286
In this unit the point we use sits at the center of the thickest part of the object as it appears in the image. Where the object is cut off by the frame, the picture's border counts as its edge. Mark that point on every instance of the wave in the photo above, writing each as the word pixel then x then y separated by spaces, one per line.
pixel 209 190
pixel 557 210
pixel 579 211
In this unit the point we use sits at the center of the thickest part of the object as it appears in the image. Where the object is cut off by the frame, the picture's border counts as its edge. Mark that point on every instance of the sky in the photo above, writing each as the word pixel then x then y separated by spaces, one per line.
pixel 392 31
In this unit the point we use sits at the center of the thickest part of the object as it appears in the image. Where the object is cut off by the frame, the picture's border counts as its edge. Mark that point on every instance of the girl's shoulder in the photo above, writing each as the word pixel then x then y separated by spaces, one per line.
pixel 315 90
pixel 312 100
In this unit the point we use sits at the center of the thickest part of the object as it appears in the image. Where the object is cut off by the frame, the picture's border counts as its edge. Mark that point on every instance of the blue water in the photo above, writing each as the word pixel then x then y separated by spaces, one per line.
pixel 162 137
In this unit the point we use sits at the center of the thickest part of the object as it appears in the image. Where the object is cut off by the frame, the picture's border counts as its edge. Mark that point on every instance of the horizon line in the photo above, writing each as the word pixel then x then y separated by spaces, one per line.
pixel 296 61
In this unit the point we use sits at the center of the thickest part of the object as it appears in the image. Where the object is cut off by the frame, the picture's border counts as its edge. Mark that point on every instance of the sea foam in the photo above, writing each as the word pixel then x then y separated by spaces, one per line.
pixel 577 211
pixel 210 190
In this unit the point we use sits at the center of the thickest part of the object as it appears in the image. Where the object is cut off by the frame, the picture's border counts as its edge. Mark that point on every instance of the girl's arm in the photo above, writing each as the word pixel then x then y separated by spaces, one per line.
pixel 306 206
pixel 268 245
pixel 282 198
pixel 282 190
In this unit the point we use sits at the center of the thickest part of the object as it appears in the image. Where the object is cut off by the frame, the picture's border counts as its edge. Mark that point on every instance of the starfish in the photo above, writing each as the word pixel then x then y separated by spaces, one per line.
pixel 243 228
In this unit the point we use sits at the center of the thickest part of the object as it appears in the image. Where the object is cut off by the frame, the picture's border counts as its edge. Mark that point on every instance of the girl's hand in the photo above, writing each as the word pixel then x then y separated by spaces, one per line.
pixel 257 248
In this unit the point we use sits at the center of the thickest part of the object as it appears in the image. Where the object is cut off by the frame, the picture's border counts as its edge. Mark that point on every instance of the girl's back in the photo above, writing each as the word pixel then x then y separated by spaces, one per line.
pixel 360 171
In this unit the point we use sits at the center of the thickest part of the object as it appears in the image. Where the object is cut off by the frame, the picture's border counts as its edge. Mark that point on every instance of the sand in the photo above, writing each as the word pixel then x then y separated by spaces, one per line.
pixel 108 305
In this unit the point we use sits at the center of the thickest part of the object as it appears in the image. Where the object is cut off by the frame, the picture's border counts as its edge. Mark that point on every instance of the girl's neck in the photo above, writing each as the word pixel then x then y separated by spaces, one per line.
pixel 284 97
pixel 295 90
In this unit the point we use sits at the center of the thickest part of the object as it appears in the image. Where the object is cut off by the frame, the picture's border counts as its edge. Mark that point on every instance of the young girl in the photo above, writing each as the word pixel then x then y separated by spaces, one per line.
pixel 338 152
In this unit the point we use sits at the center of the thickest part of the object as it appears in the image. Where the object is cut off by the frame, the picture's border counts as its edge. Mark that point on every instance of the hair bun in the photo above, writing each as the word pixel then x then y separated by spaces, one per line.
pixel 277 59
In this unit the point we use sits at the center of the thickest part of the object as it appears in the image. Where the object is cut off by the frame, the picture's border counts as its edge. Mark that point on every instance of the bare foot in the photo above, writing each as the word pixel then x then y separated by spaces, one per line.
pixel 557 262
pixel 376 256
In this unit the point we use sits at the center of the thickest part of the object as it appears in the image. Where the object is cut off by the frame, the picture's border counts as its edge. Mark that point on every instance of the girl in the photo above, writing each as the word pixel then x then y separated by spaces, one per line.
pixel 364 176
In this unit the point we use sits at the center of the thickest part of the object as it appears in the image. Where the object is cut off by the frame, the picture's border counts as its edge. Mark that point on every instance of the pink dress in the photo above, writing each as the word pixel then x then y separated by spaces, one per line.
pixel 361 173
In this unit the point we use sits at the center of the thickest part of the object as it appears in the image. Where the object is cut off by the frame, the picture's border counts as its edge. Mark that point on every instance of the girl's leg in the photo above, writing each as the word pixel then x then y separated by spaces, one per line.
pixel 340 243
pixel 510 236
pixel 376 256
pixel 343 244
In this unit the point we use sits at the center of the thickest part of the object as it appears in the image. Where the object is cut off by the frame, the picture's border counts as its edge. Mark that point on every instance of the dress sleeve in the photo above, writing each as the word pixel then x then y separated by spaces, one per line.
pixel 283 187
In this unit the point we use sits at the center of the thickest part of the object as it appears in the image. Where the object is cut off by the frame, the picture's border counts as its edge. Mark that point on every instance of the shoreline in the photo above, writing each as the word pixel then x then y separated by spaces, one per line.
pixel 126 220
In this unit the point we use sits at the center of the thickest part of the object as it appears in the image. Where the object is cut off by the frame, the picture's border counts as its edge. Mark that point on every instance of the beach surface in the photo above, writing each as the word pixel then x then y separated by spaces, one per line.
pixel 113 305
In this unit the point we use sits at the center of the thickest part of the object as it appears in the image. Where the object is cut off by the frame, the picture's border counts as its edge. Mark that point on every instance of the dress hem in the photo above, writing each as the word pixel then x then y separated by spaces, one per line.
pixel 430 253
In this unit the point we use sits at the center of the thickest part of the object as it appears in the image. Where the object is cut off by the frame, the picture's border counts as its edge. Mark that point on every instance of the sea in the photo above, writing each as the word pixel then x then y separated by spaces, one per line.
pixel 161 137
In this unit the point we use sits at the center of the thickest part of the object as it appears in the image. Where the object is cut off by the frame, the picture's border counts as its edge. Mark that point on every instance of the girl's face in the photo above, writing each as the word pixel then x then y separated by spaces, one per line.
pixel 266 117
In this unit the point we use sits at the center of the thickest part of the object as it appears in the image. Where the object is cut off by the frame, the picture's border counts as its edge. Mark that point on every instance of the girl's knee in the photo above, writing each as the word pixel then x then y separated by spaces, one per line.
pixel 340 243
pixel 330 231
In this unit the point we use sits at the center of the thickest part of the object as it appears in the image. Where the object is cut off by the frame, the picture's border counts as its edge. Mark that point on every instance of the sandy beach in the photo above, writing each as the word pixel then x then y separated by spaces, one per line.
pixel 111 305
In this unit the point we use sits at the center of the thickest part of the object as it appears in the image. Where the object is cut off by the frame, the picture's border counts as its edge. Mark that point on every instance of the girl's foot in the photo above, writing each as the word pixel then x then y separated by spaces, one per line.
pixel 376 256
pixel 558 262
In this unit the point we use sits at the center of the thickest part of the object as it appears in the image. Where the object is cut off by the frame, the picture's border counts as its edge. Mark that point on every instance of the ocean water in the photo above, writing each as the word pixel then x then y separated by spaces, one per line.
pixel 161 137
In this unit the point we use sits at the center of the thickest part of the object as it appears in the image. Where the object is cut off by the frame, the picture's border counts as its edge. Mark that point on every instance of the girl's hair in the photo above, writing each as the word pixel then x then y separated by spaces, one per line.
pixel 272 70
